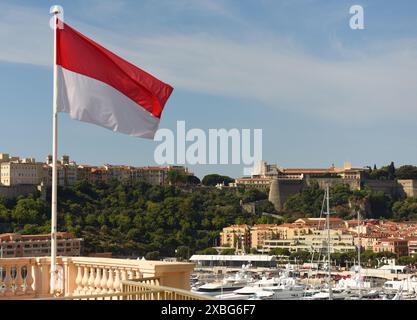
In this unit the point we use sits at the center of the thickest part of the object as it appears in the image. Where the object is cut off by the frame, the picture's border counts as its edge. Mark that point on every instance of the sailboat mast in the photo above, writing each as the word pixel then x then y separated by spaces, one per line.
pixel 328 244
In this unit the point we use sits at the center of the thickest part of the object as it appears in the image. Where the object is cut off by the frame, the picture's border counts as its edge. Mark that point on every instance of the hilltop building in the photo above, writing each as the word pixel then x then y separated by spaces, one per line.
pixel 23 176
pixel 282 183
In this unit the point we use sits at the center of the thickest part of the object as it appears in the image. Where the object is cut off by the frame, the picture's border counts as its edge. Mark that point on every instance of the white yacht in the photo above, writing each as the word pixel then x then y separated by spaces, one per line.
pixel 227 285
pixel 324 294
pixel 406 285
pixel 281 288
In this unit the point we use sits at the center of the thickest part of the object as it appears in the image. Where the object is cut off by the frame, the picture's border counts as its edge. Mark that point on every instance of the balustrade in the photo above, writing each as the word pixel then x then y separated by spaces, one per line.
pixel 16 277
pixel 28 278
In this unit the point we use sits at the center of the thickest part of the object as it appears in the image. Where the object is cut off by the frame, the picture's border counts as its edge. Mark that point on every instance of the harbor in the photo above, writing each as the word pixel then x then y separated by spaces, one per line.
pixel 300 283
pixel 262 277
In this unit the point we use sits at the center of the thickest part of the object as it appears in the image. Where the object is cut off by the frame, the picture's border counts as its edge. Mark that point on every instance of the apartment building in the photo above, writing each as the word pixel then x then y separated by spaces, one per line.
pixel 290 231
pixel 367 242
pixel 395 245
pixel 334 223
pixel 14 245
pixel 317 241
pixel 20 171
pixel 15 171
pixel 157 175
pixel 236 236
pixel 261 232
pixel 67 171
pixel 412 246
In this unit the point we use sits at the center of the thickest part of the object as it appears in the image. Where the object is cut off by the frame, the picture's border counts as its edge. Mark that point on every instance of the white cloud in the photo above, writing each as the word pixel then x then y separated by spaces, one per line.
pixel 358 87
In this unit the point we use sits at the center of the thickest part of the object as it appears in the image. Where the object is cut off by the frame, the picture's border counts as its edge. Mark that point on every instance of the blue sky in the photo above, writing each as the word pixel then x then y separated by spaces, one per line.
pixel 321 92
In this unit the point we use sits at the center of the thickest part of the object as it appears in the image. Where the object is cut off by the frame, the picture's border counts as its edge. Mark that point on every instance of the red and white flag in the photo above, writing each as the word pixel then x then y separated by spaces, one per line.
pixel 97 86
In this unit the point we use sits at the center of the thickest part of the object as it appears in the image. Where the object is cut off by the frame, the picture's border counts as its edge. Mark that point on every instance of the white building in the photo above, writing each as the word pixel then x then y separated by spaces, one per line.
pixel 19 171
pixel 67 171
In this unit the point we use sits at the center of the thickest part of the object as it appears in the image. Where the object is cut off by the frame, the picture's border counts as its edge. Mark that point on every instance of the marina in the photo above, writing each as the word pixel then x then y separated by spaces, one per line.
pixel 290 283
pixel 219 276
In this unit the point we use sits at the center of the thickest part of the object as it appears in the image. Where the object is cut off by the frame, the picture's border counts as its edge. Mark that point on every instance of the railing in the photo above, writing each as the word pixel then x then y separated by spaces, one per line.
pixel 102 278
pixel 105 296
pixel 16 278
pixel 141 290
pixel 28 278
pixel 154 281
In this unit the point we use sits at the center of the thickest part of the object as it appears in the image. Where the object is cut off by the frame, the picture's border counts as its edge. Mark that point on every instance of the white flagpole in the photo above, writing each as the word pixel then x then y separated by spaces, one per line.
pixel 55 11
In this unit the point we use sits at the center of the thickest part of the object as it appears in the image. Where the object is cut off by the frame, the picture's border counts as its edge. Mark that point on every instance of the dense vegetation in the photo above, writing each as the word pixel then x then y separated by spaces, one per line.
pixel 343 202
pixel 134 219
pixel 390 172
pixel 214 179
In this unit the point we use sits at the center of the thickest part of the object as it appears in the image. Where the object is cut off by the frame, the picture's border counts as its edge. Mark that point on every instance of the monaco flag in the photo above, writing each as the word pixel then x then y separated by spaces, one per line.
pixel 97 86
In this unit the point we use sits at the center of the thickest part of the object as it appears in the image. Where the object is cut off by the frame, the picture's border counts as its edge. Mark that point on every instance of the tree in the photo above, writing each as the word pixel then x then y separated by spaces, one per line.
pixel 176 177
pixel 214 179
pixel 228 251
pixel 391 171
pixel 380 204
pixel 29 210
pixel 406 172
pixel 152 255
pixel 182 252
pixel 308 201
pixel 342 258
pixel 253 194
pixel 405 209
pixel 4 213
pixel 208 251
pixel 407 260
pixel 379 174
pixel 279 252
pixel 301 256
pixel 193 180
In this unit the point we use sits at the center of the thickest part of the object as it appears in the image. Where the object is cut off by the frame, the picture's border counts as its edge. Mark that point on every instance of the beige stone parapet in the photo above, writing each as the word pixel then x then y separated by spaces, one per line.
pixel 26 278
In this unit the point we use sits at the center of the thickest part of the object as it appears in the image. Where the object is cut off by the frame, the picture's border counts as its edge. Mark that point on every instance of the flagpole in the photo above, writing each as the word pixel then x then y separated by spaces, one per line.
pixel 55 11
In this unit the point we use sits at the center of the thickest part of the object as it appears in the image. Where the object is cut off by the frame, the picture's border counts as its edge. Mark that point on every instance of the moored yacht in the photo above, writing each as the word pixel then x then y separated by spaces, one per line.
pixel 227 285
pixel 281 288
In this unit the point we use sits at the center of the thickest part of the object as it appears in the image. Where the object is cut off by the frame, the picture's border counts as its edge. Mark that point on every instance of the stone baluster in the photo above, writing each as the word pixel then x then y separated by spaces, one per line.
pixel 29 279
pixel 110 281
pixel 97 281
pixel 78 280
pixel 18 280
pixel 123 276
pixel 84 282
pixel 117 283
pixel 91 281
pixel 103 282
pixel 8 281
